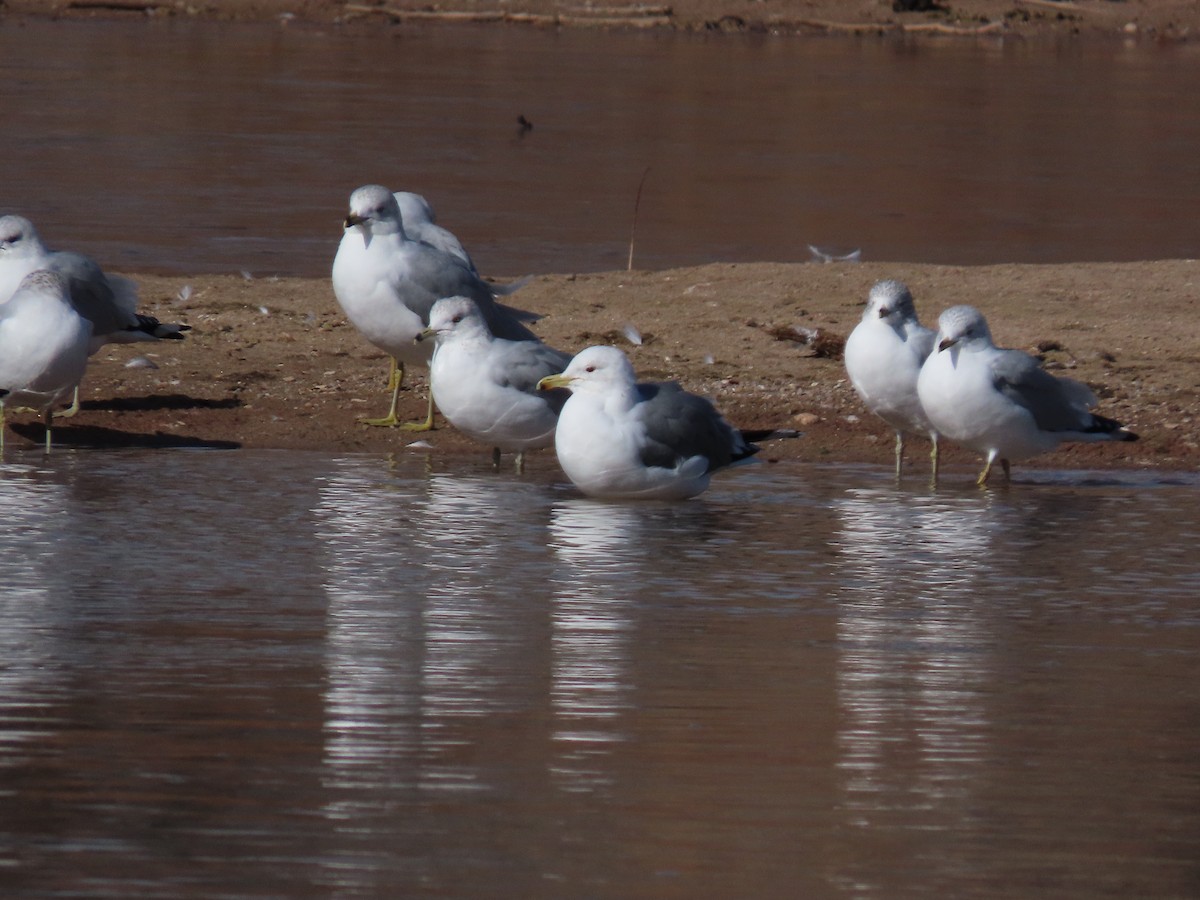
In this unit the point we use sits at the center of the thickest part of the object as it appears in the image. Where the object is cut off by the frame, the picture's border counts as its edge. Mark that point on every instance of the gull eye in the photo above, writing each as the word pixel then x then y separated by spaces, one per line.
pixel 590 369
pixel 456 320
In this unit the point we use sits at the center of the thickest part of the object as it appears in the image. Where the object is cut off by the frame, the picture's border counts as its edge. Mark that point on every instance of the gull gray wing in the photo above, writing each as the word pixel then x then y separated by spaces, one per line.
pixel 442 275
pixel 93 296
pixel 1056 404
pixel 523 364
pixel 680 425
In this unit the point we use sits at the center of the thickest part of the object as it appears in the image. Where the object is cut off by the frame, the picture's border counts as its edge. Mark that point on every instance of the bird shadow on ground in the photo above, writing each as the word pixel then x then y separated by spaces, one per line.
pixel 69 433
pixel 152 402
pixel 97 437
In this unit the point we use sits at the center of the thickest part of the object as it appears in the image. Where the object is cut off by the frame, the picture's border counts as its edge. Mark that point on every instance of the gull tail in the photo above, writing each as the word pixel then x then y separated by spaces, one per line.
pixel 743 452
pixel 504 290
pixel 521 315
pixel 1102 429
pixel 750 438
pixel 758 435
pixel 149 328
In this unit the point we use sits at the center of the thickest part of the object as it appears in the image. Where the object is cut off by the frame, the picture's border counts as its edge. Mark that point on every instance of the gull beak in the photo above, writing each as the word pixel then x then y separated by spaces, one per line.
pixel 550 382
pixel 352 220
pixel 947 343
pixel 425 335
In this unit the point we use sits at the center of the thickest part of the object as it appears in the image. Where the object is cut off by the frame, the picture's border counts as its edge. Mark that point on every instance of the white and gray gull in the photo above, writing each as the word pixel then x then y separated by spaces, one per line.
pixel 621 439
pixel 1001 403
pixel 486 386
pixel 884 355
pixel 43 347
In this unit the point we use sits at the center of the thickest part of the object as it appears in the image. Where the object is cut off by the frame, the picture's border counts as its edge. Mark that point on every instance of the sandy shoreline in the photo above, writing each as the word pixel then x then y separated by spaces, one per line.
pixel 273 363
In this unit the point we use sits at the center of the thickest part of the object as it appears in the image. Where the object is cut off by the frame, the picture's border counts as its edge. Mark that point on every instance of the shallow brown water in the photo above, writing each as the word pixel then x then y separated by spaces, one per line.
pixel 193 147
pixel 275 674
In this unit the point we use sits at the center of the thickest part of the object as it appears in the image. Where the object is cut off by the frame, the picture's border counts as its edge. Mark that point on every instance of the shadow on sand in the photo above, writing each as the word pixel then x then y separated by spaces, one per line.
pixel 71 433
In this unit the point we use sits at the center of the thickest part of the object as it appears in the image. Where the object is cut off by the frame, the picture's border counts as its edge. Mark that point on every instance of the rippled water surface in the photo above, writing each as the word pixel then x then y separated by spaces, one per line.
pixel 268 674
pixel 188 147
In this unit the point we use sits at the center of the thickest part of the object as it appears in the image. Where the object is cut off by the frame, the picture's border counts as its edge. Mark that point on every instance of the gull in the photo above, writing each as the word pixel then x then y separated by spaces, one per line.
pixel 1001 403
pixel 486 386
pixel 387 283
pixel 620 439
pixel 43 346
pixel 884 355
pixel 109 302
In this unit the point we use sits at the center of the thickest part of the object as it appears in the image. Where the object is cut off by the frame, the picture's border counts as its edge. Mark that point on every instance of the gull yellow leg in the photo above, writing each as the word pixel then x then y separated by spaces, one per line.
pixel 987 469
pixel 427 425
pixel 395 380
pixel 73 408
pixel 899 453
pixel 933 460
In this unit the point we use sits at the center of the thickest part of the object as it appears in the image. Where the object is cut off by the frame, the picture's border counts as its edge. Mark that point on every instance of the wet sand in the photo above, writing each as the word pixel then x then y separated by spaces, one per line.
pixel 273 363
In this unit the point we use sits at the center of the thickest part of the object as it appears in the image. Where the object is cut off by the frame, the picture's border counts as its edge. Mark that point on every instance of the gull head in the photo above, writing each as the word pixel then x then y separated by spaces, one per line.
pixel 373 208
pixel 962 325
pixel 18 237
pixel 414 209
pixel 458 316
pixel 890 299
pixel 595 369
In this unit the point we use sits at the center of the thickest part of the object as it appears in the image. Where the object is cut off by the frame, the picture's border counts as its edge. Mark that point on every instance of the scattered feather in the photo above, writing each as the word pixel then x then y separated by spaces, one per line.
pixel 828 256
pixel 632 334
pixel 825 344
pixel 264 310
pixel 185 293
pixel 246 275
pixel 141 362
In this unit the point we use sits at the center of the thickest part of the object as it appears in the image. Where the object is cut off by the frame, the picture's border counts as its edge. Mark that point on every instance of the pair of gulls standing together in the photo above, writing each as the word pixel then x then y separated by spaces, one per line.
pixel 57 308
pixel 959 385
pixel 403 281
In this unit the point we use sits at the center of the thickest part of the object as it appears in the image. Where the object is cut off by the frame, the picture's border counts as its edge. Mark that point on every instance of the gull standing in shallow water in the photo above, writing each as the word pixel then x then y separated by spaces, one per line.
pixel 387 283
pixel 620 439
pixel 486 386
pixel 43 347
pixel 1001 403
pixel 884 355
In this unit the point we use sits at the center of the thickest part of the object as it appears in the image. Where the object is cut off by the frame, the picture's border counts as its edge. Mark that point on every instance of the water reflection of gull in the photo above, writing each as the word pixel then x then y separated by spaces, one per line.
pixel 34 511
pixel 373 631
pixel 425 644
pixel 601 554
pixel 913 667
pixel 473 533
